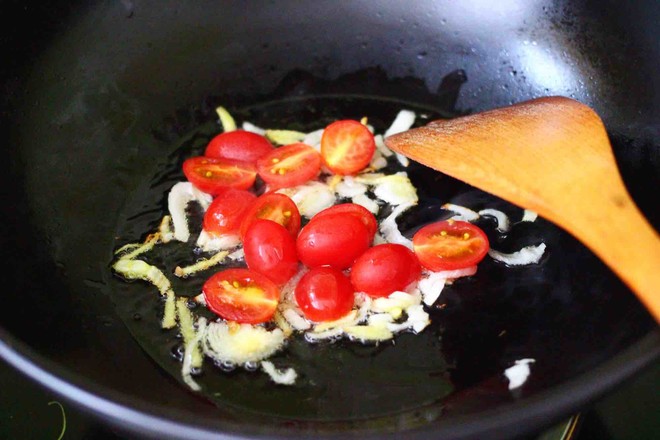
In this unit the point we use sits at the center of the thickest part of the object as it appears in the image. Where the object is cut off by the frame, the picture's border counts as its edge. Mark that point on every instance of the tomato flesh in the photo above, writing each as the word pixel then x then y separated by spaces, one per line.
pixel 275 207
pixel 449 245
pixel 238 145
pixel 241 295
pixel 212 175
pixel 333 240
pixel 324 294
pixel 271 251
pixel 347 146
pixel 289 166
pixel 384 269
pixel 359 211
pixel 226 212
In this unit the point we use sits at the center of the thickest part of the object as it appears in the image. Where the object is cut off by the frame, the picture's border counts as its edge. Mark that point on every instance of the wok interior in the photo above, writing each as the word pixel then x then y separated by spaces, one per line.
pixel 96 95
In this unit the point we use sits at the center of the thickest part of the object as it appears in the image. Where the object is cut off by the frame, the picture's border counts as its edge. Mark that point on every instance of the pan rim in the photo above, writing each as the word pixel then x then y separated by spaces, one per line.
pixel 139 416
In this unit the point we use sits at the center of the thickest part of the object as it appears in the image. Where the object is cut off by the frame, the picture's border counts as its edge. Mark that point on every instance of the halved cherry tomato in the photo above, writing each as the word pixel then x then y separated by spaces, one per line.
pixel 449 245
pixel 324 294
pixel 289 166
pixel 271 251
pixel 384 269
pixel 359 211
pixel 275 207
pixel 347 146
pixel 333 240
pixel 213 175
pixel 241 295
pixel 226 212
pixel 238 145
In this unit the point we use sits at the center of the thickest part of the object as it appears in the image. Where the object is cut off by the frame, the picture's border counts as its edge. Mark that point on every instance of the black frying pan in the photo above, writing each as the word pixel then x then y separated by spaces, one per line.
pixel 98 97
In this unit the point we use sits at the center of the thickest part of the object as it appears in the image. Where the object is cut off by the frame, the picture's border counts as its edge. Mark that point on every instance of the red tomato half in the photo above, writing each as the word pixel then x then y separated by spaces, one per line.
pixel 347 146
pixel 289 166
pixel 324 294
pixel 275 207
pixel 384 269
pixel 238 145
pixel 449 245
pixel 356 210
pixel 271 251
pixel 213 175
pixel 333 240
pixel 226 212
pixel 241 295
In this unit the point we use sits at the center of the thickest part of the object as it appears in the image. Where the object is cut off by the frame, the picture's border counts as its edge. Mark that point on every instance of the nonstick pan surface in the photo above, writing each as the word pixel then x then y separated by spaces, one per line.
pixel 98 96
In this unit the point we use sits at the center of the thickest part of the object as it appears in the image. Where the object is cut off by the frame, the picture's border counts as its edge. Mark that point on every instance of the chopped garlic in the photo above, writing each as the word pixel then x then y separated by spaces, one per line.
pixel 382 148
pixel 462 213
pixel 390 229
pixel 246 343
pixel 503 224
pixel 314 138
pixel 396 300
pixel 529 216
pixel 396 189
pixel 295 319
pixel 226 119
pixel 526 255
pixel 431 287
pixel 334 333
pixel 349 319
pixel 348 187
pixel 457 273
pixel 282 324
pixel 364 201
pixel 284 137
pixel 377 161
pixel 180 195
pixel 369 333
pixel 281 377
pixel 237 255
pixel 518 373
pixel 310 198
pixel 247 126
pixel 402 122
pixel 211 243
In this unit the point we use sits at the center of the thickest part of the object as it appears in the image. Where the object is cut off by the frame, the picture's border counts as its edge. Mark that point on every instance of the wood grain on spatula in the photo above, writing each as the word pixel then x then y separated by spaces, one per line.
pixel 553 156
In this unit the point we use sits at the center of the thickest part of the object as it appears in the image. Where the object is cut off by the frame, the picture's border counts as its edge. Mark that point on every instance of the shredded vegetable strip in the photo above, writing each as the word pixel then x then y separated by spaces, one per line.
pixel 187 329
pixel 139 249
pixel 141 270
pixel 203 264
pixel 169 311
pixel 191 348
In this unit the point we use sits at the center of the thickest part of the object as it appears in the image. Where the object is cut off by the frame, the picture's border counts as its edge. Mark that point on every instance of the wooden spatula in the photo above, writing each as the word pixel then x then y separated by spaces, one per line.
pixel 553 156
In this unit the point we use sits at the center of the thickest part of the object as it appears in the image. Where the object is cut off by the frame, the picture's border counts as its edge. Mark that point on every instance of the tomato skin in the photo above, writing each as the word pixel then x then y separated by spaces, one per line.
pixel 271 251
pixel 324 294
pixel 450 245
pixel 254 300
pixel 275 207
pixel 289 166
pixel 384 269
pixel 238 145
pixel 359 211
pixel 347 146
pixel 213 176
pixel 225 214
pixel 332 240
